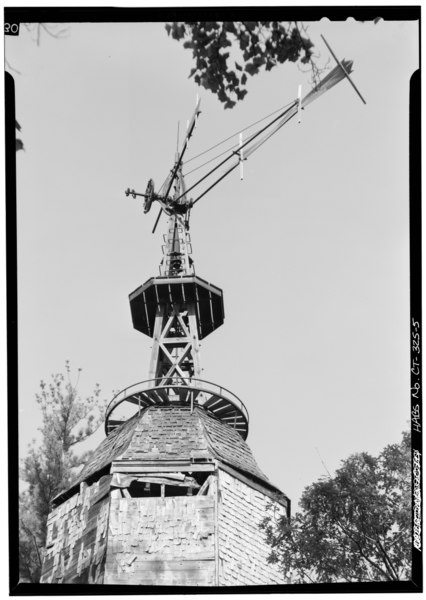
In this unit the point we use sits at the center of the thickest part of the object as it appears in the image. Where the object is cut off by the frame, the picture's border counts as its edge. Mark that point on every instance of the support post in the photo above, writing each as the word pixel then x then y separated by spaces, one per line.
pixel 158 326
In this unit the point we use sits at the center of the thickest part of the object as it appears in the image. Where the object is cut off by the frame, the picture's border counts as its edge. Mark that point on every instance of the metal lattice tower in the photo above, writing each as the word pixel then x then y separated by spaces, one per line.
pixel 177 310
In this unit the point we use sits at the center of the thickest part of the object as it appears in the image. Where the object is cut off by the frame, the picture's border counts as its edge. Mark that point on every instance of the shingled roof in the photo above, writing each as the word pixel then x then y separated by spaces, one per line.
pixel 174 432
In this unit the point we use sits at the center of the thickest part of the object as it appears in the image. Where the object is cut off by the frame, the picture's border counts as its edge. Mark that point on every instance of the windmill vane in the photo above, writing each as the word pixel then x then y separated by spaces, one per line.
pixel 178 205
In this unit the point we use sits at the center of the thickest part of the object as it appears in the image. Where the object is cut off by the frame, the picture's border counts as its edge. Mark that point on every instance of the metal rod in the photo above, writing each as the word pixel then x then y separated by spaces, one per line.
pixel 241 157
pixel 177 141
pixel 156 222
pixel 249 152
pixel 216 182
pixel 250 139
pixel 185 146
pixel 299 106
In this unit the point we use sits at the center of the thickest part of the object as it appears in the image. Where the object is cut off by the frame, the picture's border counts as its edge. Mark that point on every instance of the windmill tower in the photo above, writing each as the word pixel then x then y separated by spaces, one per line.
pixel 173 495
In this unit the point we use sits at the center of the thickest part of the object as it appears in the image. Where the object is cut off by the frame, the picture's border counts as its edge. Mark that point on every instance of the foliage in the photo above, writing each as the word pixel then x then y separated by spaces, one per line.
pixel 355 526
pixel 50 466
pixel 30 541
pixel 258 44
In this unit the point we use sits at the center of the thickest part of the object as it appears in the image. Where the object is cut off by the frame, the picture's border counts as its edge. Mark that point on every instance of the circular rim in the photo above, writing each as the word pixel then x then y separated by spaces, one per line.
pixel 215 399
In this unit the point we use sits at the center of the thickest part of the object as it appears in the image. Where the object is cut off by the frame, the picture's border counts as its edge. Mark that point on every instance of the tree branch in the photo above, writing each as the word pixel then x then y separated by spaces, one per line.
pixel 358 544
pixel 387 558
pixel 33 538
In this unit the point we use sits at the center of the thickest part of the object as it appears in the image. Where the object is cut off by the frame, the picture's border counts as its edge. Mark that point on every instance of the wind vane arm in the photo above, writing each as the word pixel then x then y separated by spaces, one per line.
pixel 179 205
pixel 340 72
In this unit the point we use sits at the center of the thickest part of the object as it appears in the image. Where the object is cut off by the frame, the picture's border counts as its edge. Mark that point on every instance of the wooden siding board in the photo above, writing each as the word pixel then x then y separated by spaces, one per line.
pixel 161 541
pixel 243 551
pixel 79 545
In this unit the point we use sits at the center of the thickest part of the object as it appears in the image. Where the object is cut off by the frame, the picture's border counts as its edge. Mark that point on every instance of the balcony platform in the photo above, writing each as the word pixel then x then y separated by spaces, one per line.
pixel 215 399
pixel 207 298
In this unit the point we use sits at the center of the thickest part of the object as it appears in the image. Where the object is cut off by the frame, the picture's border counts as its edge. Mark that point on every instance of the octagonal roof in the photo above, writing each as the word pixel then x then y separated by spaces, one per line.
pixel 174 433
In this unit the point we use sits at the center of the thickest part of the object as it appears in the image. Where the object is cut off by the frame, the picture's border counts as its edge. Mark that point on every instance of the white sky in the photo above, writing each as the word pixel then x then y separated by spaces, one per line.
pixel 311 249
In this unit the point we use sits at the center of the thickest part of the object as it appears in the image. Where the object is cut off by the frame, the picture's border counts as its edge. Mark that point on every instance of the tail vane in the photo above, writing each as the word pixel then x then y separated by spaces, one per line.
pixel 343 66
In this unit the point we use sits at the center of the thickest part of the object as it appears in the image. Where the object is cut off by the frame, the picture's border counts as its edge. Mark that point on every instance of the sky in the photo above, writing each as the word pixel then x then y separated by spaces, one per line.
pixel 311 248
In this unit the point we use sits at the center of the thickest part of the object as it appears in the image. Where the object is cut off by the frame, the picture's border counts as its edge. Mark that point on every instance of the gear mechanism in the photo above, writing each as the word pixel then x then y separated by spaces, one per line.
pixel 149 196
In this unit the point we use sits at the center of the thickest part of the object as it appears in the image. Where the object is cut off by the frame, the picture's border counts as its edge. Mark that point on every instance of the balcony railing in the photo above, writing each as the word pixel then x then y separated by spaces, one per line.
pixel 214 398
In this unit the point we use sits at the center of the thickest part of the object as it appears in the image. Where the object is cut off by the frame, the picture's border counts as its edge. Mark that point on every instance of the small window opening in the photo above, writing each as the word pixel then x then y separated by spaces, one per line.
pixel 139 489
pixel 177 490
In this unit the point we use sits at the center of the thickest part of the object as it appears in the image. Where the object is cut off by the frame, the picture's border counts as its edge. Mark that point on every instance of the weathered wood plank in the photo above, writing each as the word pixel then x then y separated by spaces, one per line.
pixel 159 467
pixel 80 542
pixel 161 540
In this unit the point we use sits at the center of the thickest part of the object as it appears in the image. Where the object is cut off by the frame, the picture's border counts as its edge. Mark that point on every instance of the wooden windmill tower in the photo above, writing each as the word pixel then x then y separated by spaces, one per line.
pixel 173 495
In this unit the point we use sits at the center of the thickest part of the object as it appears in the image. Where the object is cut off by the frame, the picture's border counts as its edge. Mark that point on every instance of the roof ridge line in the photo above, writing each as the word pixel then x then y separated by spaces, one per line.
pixel 270 489
pixel 217 455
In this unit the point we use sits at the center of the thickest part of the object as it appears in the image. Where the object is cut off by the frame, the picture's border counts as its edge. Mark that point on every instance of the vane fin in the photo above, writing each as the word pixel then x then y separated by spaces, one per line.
pixel 342 66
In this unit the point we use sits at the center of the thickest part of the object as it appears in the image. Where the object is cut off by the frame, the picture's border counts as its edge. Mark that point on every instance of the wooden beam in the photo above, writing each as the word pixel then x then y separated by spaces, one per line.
pixel 175 341
pixel 205 486
pixel 215 482
pixel 225 410
pixel 212 401
pixel 167 325
pixel 158 326
pixel 160 467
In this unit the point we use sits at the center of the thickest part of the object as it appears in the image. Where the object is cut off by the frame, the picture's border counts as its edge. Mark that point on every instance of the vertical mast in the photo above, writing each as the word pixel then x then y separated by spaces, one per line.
pixel 175 350
pixel 177 249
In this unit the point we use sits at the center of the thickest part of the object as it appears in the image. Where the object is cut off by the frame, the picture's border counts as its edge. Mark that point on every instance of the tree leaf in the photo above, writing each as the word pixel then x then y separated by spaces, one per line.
pixel 261 43
pixel 354 526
